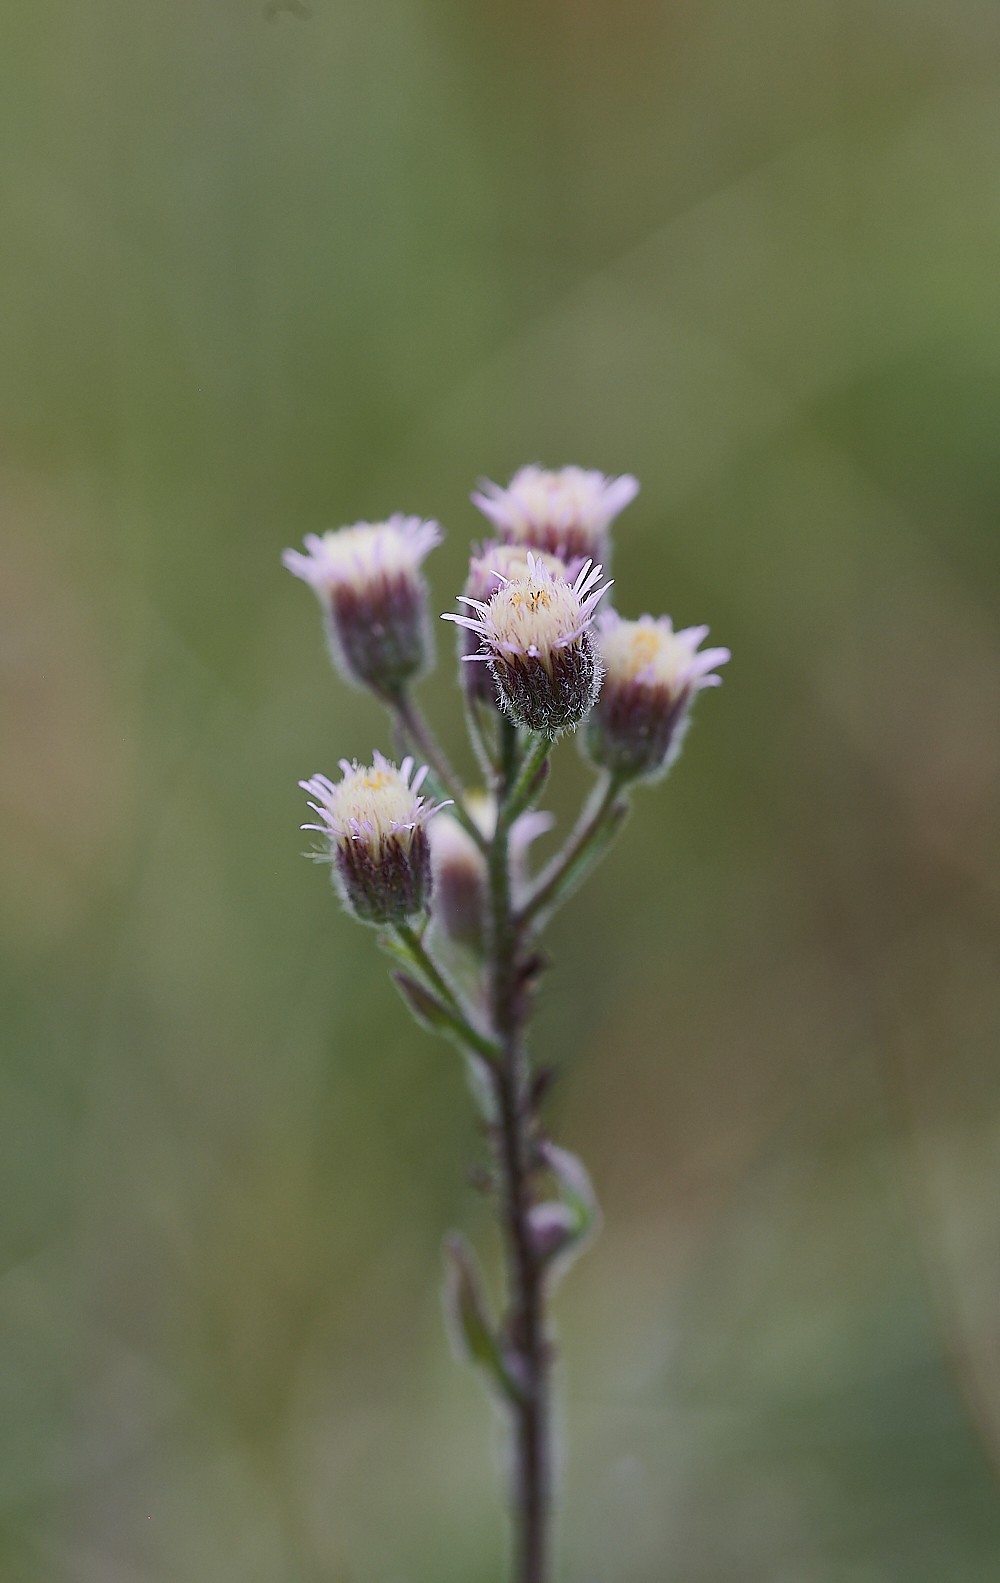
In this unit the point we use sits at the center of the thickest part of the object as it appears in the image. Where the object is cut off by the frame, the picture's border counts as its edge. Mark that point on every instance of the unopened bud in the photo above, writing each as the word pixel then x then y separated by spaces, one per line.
pixel 373 596
pixel 460 882
pixel 651 676
pixel 552 1226
pixel 534 635
pixel 374 822
pixel 561 1228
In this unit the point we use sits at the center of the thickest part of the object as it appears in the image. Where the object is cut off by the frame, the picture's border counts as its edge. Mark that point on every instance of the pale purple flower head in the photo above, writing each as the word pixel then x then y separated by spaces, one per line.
pixel 566 512
pixel 651 676
pixel 495 565
pixel 373 821
pixel 373 596
pixel 534 635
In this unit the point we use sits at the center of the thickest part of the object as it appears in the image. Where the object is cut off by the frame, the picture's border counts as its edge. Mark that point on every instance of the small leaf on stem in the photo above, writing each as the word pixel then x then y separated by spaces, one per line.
pixel 472 1332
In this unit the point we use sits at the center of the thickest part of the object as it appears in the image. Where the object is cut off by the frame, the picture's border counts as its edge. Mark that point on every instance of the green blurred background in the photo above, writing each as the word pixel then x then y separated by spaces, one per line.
pixel 267 270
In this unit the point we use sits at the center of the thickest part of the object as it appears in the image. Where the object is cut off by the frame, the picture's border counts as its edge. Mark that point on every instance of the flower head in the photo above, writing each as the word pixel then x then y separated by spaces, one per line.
pixel 373 596
pixel 534 635
pixel 495 565
pixel 374 822
pixel 566 512
pixel 651 676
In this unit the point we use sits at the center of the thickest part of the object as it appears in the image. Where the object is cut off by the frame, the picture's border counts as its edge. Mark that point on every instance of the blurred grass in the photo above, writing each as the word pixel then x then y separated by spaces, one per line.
pixel 264 273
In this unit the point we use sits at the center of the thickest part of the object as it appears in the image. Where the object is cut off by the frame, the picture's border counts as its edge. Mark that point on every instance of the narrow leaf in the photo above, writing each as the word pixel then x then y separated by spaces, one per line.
pixel 472 1333
pixel 427 1009
pixel 433 1014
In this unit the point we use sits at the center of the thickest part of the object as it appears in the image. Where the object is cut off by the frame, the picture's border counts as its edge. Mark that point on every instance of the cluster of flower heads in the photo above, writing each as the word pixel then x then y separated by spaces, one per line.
pixel 531 643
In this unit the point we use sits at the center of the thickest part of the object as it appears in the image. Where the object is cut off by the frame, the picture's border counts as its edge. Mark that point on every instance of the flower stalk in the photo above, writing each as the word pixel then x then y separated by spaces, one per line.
pixel 459 910
pixel 526 1319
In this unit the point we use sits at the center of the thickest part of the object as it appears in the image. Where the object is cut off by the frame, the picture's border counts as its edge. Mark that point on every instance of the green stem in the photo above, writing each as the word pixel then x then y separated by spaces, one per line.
pixel 598 825
pixel 481 731
pixel 519 795
pixel 509 754
pixel 422 958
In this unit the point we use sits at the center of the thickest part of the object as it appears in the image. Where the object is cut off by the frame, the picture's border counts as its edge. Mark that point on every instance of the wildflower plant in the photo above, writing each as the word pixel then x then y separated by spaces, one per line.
pixel 447 877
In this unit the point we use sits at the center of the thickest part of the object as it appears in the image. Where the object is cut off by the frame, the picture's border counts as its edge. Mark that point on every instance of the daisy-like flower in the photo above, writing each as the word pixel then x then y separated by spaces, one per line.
pixel 495 565
pixel 534 634
pixel 567 513
pixel 651 676
pixel 373 596
pixel 374 823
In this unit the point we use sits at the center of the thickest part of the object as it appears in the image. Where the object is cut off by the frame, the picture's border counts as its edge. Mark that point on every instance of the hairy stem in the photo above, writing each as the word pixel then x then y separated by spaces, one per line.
pixel 483 735
pixel 526 1330
pixel 519 794
pixel 422 958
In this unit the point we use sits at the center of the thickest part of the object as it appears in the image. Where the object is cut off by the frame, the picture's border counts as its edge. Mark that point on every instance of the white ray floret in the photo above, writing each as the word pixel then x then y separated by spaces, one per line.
pixel 373 804
pixel 365 553
pixel 568 509
pixel 650 652
pixel 534 616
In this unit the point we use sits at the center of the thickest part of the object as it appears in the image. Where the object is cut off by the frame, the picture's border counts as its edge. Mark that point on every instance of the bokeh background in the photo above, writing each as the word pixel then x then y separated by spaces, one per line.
pixel 269 268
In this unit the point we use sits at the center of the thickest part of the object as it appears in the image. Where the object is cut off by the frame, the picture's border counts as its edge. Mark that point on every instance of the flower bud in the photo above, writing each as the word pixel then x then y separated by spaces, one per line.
pixel 374 823
pixel 495 565
pixel 459 874
pixel 567 513
pixel 552 1226
pixel 651 676
pixel 373 596
pixel 534 635
pixel 560 1228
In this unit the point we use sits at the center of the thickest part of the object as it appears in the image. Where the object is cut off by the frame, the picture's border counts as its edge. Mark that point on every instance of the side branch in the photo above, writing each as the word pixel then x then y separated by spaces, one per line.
pixel 520 794
pixel 600 822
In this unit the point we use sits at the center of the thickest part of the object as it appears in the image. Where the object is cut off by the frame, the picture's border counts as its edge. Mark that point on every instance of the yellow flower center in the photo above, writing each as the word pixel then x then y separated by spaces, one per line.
pixel 534 615
pixel 631 648
pixel 378 800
